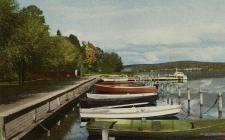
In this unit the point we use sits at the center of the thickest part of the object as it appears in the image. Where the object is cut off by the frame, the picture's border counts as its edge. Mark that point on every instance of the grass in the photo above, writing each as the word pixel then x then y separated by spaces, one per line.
pixel 11 91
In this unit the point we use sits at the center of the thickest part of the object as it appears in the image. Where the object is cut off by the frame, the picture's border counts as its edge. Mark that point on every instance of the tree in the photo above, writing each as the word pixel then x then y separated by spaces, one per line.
pixel 92 56
pixel 58 33
pixel 8 21
pixel 26 40
pixel 111 62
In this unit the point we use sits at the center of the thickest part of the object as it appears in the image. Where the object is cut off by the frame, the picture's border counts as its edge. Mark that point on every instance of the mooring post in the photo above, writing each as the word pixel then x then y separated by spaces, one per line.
pixel 201 103
pixel 162 86
pixel 105 134
pixel 171 92
pixel 178 94
pixel 35 115
pixel 48 107
pixel 189 99
pixel 2 128
pixel 66 96
pixel 167 89
pixel 220 105
pixel 58 101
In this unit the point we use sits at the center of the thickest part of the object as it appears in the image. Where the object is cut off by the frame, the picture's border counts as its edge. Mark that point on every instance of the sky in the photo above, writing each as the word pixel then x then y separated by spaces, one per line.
pixel 142 31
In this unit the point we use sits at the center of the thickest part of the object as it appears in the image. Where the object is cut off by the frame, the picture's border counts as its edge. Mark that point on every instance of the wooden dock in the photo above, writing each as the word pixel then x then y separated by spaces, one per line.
pixel 24 121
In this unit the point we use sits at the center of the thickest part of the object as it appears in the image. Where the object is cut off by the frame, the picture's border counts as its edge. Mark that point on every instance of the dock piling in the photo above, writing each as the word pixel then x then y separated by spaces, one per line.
pixel 35 115
pixel 171 93
pixel 220 108
pixel 201 103
pixel 48 107
pixel 2 128
pixel 189 99
pixel 105 134
pixel 167 90
pixel 178 88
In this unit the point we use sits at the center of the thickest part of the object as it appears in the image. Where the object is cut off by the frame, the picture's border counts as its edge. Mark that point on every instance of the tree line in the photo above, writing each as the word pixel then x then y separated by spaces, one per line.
pixel 26 46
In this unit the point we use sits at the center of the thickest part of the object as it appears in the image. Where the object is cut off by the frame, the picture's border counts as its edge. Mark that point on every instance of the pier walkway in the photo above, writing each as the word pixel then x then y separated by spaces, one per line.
pixel 19 118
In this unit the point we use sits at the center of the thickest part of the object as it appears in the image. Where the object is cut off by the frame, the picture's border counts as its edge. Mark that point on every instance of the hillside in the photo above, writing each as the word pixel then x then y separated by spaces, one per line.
pixel 181 65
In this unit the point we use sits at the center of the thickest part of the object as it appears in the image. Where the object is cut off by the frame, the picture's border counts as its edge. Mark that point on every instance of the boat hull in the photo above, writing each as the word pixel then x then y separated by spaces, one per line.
pixel 134 112
pixel 90 103
pixel 118 95
pixel 159 128
pixel 123 89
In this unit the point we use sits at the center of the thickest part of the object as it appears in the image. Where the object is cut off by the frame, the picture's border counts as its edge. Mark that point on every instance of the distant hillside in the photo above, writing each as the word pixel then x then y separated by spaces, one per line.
pixel 181 65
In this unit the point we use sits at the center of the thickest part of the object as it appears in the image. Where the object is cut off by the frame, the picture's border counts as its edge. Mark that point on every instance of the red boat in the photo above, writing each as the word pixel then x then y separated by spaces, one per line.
pixel 124 88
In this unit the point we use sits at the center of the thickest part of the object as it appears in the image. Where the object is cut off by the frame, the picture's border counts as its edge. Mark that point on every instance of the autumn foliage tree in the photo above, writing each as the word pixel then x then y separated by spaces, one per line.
pixel 92 56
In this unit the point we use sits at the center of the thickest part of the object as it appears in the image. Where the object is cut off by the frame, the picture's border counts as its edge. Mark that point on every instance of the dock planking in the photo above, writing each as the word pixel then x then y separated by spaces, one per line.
pixel 16 123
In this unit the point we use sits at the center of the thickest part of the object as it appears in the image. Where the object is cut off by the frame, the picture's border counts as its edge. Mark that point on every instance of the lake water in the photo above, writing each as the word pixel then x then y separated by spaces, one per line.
pixel 210 83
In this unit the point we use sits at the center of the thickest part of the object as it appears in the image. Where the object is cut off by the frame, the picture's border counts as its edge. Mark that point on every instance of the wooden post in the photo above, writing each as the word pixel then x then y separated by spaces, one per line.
pixel 105 134
pixel 58 101
pixel 2 128
pixel 167 89
pixel 162 86
pixel 201 103
pixel 35 115
pixel 189 99
pixel 220 105
pixel 73 93
pixel 66 97
pixel 59 122
pixel 178 94
pixel 48 107
pixel 171 93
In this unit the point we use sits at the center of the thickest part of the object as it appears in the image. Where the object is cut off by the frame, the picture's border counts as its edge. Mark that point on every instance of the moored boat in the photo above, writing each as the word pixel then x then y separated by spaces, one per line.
pixel 115 78
pixel 125 88
pixel 121 83
pixel 119 95
pixel 117 102
pixel 134 112
pixel 155 128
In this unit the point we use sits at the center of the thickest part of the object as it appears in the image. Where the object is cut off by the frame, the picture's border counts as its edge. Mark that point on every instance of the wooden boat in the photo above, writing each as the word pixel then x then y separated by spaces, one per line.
pixel 127 88
pixel 134 112
pixel 109 103
pixel 155 128
pixel 119 95
pixel 121 83
pixel 115 78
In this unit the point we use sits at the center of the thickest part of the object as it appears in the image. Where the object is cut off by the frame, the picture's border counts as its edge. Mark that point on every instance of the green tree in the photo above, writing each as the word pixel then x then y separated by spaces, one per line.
pixel 111 62
pixel 26 40
pixel 8 21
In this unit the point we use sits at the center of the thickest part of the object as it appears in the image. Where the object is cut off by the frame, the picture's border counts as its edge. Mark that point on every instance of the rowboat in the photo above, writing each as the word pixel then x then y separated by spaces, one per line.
pixel 126 88
pixel 119 95
pixel 121 83
pixel 115 78
pixel 134 112
pixel 155 128
pixel 109 103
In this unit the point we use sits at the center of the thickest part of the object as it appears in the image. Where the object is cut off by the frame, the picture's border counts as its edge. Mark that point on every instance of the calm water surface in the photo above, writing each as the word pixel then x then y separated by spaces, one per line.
pixel 210 83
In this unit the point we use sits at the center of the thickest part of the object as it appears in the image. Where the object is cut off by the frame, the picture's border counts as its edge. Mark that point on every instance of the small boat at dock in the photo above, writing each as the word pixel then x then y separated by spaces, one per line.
pixel 121 83
pixel 134 112
pixel 117 102
pixel 114 78
pixel 156 128
pixel 125 88
pixel 119 95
